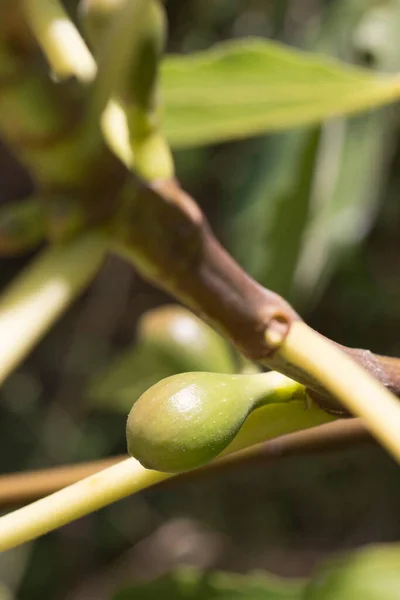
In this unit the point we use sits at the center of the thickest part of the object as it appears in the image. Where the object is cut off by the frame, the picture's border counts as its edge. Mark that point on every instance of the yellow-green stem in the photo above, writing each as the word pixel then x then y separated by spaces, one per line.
pixel 125 98
pixel 42 292
pixel 60 40
pixel 75 501
pixel 347 381
pixel 114 127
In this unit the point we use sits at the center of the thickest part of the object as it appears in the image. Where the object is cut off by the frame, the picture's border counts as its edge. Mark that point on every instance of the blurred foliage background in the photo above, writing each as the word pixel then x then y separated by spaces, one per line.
pixel 313 213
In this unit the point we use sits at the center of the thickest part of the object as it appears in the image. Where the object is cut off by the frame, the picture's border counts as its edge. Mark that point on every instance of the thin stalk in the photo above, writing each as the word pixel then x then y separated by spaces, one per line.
pixel 129 476
pixel 352 385
pixel 114 127
pixel 125 94
pixel 75 501
pixel 21 488
pixel 42 292
pixel 60 40
pixel 105 107
pixel 40 126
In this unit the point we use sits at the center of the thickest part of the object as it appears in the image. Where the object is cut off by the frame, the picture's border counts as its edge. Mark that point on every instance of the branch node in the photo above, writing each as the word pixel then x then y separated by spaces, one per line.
pixel 276 331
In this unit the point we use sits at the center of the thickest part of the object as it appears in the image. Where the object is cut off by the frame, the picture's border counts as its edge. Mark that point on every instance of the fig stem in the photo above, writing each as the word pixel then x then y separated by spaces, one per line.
pixel 75 501
pixel 125 94
pixel 351 384
pixel 33 302
pixel 60 40
pixel 21 488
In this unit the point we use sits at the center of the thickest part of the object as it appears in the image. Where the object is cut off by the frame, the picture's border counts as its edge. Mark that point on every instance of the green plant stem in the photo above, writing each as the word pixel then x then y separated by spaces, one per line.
pixel 42 292
pixel 20 488
pixel 60 40
pixel 75 501
pixel 129 477
pixel 125 94
pixel 347 381
pixel 133 27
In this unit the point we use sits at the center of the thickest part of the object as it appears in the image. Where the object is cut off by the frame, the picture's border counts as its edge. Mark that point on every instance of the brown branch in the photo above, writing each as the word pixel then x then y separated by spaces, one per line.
pixel 169 240
pixel 25 487
pixel 163 231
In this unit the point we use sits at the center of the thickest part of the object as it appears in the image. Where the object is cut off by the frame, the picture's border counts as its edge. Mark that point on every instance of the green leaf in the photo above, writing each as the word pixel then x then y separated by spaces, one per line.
pixel 276 209
pixel 370 574
pixel 320 200
pixel 353 162
pixel 248 87
pixel 190 584
pixel 350 173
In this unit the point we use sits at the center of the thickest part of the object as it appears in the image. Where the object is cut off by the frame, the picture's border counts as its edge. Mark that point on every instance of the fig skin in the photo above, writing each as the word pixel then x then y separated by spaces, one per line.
pixel 182 338
pixel 186 420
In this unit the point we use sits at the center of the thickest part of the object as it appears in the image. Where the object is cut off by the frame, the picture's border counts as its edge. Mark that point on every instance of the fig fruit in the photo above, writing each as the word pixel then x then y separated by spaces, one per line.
pixel 184 340
pixel 186 420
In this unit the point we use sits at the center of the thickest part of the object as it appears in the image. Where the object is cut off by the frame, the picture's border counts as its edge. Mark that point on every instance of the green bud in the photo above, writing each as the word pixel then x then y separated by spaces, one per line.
pixel 187 420
pixel 22 227
pixel 174 333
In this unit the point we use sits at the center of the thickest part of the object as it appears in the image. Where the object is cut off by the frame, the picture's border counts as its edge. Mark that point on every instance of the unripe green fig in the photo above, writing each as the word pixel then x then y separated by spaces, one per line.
pixel 170 340
pixel 187 420
pixel 184 341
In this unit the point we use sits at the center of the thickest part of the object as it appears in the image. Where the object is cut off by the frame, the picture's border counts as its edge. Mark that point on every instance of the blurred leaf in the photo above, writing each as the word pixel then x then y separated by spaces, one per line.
pixel 196 585
pixel 353 161
pixel 351 167
pixel 245 88
pixel 370 574
pixel 306 206
pixel 276 210
pixel 5 593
